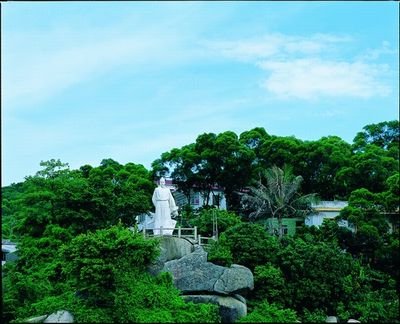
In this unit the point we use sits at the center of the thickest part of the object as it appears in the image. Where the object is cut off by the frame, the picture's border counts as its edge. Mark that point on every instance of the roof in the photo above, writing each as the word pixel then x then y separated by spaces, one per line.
pixel 330 205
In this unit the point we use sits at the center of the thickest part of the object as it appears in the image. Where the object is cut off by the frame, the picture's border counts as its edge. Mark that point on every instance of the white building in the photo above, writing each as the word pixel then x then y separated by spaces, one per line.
pixel 197 200
pixel 8 251
pixel 327 210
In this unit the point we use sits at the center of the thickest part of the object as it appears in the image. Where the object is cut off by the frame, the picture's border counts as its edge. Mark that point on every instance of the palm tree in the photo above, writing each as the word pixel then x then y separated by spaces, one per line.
pixel 279 197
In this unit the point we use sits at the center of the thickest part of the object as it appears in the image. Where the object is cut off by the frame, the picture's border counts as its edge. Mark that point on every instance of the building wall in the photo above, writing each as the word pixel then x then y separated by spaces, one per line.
pixel 318 219
pixel 325 210
pixel 289 224
pixel 197 199
pixel 9 252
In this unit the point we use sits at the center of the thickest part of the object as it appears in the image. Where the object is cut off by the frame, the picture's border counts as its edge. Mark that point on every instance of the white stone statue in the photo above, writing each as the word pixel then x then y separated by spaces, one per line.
pixel 165 208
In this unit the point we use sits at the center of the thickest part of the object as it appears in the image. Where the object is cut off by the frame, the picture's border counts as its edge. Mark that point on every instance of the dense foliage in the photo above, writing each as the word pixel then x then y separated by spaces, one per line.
pixel 104 280
pixel 78 249
pixel 329 166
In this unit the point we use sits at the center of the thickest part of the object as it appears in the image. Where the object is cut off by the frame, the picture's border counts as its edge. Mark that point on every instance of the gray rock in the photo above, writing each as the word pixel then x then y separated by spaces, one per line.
pixel 192 273
pixel 171 248
pixel 240 298
pixel 234 279
pixel 331 319
pixel 353 321
pixel 230 309
pixel 38 319
pixel 60 316
pixel 187 262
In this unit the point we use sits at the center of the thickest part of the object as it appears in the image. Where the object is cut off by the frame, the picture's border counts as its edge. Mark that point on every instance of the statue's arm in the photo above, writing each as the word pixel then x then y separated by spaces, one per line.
pixel 172 206
pixel 154 198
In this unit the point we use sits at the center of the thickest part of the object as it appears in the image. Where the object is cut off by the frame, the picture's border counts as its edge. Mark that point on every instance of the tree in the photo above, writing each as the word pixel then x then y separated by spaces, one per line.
pixel 277 150
pixel 278 198
pixel 249 245
pixel 206 218
pixel 385 135
pixel 315 274
pixel 320 162
pixel 110 273
pixel 182 165
pixel 371 167
pixel 213 160
pixel 52 169
pixel 390 197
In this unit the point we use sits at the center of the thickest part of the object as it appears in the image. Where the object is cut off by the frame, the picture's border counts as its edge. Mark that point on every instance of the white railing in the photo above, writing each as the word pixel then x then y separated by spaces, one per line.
pixel 177 232
pixel 193 235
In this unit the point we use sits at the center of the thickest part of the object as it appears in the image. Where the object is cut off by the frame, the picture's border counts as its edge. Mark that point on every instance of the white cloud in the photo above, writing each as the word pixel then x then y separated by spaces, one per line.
pixel 276 45
pixel 312 78
pixel 375 53
pixel 311 67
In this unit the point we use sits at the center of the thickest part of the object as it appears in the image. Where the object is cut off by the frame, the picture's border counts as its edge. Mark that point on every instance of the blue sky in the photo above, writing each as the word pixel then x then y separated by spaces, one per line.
pixel 84 81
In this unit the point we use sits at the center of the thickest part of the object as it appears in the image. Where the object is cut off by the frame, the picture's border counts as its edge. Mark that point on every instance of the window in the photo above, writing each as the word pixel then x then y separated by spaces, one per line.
pixel 195 199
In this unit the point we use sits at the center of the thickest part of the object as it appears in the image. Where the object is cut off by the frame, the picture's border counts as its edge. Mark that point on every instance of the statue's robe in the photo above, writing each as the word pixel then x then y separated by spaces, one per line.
pixel 165 207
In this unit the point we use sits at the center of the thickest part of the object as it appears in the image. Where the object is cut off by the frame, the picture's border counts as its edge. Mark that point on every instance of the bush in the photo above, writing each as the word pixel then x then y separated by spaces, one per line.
pixel 250 245
pixel 94 261
pixel 219 253
pixel 203 219
pixel 269 283
pixel 269 313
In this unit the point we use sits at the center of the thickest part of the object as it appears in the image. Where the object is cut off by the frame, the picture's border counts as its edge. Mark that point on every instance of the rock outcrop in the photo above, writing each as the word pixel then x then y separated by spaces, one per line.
pixel 331 319
pixel 172 248
pixel 204 282
pixel 61 316
pixel 192 273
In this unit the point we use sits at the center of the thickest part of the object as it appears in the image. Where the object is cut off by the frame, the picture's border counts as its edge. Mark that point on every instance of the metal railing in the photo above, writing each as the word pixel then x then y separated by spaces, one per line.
pixel 179 232
pixel 193 235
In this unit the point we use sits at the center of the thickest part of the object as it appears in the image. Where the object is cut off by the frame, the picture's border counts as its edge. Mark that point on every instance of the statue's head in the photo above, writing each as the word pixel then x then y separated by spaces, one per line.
pixel 162 181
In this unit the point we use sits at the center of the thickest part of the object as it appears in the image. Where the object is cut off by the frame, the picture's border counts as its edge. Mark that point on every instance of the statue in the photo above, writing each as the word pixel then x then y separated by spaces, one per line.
pixel 165 208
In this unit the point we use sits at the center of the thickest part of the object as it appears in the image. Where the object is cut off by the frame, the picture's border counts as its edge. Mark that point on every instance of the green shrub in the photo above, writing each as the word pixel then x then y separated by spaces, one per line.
pixel 269 313
pixel 203 219
pixel 250 245
pixel 219 253
pixel 269 283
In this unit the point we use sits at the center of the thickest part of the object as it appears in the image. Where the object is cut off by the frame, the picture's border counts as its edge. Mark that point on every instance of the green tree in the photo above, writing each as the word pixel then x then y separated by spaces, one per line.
pixel 315 274
pixel 385 135
pixel 278 198
pixel 250 244
pixel 278 150
pixel 182 165
pixel 390 197
pixel 213 160
pixel 322 160
pixel 371 167
pixel 206 218
pixel 94 269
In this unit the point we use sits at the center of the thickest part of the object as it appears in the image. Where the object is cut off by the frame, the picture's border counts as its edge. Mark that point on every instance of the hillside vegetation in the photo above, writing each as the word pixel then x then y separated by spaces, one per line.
pixel 76 250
